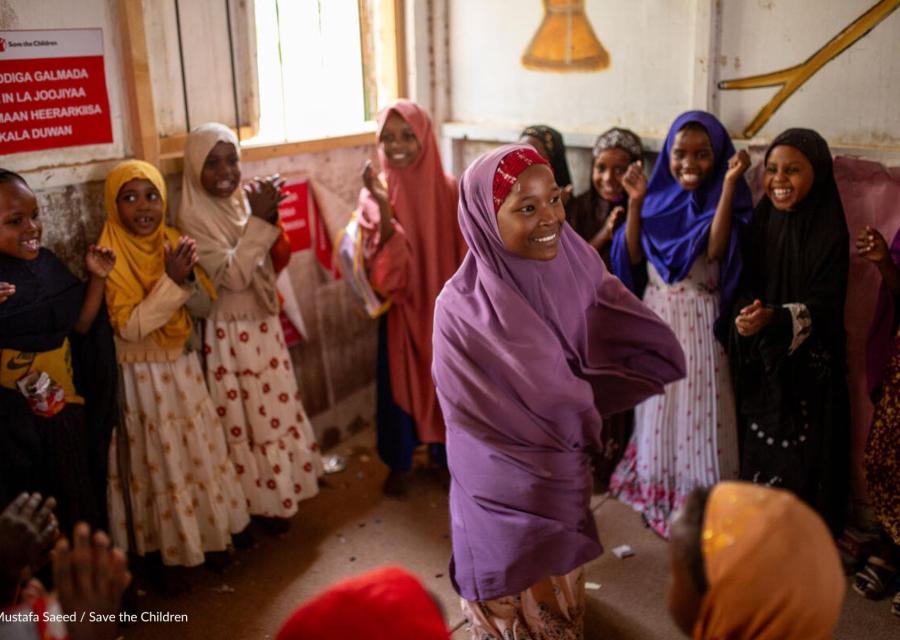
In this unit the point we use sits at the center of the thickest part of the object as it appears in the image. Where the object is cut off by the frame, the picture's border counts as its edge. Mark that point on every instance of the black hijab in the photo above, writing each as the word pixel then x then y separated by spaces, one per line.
pixel 802 255
pixel 554 145
pixel 45 306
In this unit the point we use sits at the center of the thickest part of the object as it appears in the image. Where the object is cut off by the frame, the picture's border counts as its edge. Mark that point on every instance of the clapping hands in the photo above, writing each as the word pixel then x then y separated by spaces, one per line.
pixel 635 182
pixel 264 196
pixel 99 261
pixel 7 290
pixel 753 319
pixel 180 261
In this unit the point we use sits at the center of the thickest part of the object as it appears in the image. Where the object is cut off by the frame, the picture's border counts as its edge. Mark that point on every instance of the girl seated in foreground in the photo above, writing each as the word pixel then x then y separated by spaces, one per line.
pixel 750 562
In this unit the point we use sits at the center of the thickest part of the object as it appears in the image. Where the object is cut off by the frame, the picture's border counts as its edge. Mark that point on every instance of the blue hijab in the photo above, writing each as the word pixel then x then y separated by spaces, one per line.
pixel 675 223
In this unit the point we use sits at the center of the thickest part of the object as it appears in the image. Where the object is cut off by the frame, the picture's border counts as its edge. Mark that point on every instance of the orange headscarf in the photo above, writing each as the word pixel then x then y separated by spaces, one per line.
pixel 385 604
pixel 424 200
pixel 772 567
pixel 140 261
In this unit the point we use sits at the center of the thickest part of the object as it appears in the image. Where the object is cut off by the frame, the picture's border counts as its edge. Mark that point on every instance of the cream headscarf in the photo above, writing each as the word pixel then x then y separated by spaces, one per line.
pixel 772 567
pixel 140 260
pixel 217 224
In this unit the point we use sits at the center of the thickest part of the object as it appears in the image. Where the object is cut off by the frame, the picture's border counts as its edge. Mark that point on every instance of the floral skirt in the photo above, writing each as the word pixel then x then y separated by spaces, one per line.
pixel 552 609
pixel 686 437
pixel 184 494
pixel 882 456
pixel 270 439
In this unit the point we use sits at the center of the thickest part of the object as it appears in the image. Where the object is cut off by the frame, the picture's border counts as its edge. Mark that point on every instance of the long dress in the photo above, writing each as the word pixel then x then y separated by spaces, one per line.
pixel 528 357
pixel 182 493
pixel 270 439
pixel 882 456
pixel 248 367
pixel 793 407
pixel 687 437
pixel 409 269
pixel 172 487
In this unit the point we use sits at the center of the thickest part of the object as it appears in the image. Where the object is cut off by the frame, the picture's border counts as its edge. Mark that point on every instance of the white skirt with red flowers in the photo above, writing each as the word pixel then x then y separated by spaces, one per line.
pixel 270 439
pixel 185 497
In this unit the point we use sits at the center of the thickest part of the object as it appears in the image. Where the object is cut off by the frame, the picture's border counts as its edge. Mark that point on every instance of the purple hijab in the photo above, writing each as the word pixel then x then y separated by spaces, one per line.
pixel 879 347
pixel 527 357
pixel 675 223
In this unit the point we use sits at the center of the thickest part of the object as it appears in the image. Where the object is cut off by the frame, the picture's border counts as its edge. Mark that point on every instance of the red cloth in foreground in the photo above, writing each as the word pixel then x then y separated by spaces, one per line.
pixel 384 604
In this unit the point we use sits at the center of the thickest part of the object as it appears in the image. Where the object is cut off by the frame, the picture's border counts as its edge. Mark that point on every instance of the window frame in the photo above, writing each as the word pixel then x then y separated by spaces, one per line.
pixel 166 152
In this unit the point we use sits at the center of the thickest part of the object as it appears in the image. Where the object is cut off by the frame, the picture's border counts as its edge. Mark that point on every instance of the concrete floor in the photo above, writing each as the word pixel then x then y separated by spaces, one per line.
pixel 350 528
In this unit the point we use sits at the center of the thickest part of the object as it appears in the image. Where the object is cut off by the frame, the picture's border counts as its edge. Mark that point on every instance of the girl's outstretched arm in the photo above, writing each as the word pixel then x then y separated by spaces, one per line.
pixel 635 183
pixel 379 192
pixel 720 230
pixel 99 262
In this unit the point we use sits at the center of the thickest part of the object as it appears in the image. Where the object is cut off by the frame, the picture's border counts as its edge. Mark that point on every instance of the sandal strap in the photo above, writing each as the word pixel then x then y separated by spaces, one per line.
pixel 869 582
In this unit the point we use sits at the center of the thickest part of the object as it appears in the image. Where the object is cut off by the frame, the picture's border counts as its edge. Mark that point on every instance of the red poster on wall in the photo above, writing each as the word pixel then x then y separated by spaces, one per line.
pixel 299 215
pixel 294 213
pixel 52 90
pixel 303 222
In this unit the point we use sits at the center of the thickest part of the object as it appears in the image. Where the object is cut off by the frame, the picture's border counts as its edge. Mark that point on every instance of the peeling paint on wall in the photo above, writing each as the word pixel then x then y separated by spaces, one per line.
pixel 9 19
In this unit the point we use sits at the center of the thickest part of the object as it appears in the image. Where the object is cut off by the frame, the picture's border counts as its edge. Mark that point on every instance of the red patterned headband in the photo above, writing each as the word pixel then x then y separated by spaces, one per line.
pixel 513 164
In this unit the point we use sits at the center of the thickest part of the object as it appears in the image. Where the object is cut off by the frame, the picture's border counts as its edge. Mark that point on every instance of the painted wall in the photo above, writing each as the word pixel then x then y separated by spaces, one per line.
pixel 852 100
pixel 666 57
pixel 649 78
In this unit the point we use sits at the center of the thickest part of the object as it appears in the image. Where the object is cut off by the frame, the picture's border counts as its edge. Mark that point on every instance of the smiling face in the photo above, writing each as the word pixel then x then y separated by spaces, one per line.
pixel 399 142
pixel 140 207
pixel 691 159
pixel 221 173
pixel 531 217
pixel 20 229
pixel 789 177
pixel 609 167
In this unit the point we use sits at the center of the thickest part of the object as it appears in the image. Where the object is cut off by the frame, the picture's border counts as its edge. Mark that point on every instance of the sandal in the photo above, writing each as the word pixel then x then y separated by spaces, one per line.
pixel 872 580
pixel 895 605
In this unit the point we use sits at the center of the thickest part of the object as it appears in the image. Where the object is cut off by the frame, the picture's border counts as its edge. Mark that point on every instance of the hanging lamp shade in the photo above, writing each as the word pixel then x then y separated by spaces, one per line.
pixel 565 41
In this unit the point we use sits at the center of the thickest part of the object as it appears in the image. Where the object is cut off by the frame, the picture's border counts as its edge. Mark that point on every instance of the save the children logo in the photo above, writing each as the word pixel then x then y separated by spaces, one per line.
pixel 2 45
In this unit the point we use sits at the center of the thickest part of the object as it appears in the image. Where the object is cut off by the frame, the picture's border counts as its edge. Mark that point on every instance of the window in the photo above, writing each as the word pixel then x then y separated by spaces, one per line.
pixel 310 68
pixel 275 70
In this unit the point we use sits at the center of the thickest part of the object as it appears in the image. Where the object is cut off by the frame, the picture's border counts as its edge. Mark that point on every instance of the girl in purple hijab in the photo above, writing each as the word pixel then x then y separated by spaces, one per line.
pixel 687 231
pixel 534 342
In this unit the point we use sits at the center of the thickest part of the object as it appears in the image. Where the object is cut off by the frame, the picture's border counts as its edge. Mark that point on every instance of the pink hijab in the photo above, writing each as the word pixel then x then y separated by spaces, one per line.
pixel 424 200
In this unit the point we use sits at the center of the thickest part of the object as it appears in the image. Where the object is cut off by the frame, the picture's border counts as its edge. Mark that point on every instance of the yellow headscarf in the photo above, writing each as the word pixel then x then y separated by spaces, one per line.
pixel 772 567
pixel 140 260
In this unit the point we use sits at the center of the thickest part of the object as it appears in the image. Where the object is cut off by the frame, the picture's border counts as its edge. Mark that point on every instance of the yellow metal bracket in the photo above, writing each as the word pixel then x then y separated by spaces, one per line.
pixel 794 77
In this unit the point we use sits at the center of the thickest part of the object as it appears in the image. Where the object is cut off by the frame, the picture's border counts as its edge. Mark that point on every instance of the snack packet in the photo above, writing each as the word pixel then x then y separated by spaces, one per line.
pixel 45 398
